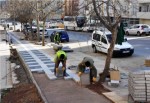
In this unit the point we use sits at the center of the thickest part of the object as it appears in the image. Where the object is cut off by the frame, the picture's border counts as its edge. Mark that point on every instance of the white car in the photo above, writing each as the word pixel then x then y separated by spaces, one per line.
pixel 138 29
pixel 101 42
pixel 45 32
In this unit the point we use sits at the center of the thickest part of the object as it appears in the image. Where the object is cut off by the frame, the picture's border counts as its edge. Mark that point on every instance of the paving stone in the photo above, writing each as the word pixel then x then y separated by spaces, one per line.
pixel 51 65
pixel 32 63
pixel 28 58
pixel 35 67
pixel 45 59
pixel 27 61
pixel 48 62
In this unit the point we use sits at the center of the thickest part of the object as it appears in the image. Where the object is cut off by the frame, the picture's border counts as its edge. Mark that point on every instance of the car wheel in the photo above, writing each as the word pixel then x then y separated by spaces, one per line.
pixel 127 33
pixel 138 33
pixel 94 49
pixel 68 40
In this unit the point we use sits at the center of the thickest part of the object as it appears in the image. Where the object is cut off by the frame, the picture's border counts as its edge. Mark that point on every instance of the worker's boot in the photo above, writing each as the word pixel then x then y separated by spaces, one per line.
pixel 57 72
pixel 64 71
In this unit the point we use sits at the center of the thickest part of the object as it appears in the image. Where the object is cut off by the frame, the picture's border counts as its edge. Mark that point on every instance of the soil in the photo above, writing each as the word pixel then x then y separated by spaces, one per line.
pixel 23 92
pixel 98 88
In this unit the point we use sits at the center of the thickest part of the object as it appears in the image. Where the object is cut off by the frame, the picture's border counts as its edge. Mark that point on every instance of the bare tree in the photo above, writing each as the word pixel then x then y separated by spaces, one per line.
pixel 45 8
pixel 11 8
pixel 109 13
pixel 22 13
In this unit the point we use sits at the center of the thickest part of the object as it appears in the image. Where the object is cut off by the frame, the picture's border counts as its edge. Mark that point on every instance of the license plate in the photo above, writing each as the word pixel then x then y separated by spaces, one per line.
pixel 126 51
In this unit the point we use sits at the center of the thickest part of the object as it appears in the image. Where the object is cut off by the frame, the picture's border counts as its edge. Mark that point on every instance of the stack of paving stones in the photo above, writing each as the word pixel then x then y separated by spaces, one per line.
pixel 139 85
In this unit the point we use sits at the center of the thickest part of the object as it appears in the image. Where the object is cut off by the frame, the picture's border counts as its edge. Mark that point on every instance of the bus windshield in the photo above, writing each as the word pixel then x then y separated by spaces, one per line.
pixel 80 20
pixel 69 19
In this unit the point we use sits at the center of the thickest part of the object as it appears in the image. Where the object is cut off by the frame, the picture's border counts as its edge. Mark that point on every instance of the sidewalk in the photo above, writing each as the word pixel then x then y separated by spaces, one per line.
pixel 63 91
pixel 67 91
pixel 5 70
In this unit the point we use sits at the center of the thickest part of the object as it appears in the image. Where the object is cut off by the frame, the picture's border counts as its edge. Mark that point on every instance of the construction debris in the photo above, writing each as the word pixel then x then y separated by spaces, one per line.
pixel 114 77
pixel 64 48
pixel 147 62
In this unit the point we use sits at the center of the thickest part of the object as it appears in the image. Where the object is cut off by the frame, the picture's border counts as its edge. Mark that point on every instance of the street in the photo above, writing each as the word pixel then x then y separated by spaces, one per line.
pixel 140 44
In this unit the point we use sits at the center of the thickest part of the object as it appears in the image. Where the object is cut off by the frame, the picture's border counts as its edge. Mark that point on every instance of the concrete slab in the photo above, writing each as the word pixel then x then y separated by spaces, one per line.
pixel 115 98
pixel 5 66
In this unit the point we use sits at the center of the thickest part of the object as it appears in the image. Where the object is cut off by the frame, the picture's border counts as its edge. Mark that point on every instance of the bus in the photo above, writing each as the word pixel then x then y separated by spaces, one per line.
pixel 74 22
pixel 91 25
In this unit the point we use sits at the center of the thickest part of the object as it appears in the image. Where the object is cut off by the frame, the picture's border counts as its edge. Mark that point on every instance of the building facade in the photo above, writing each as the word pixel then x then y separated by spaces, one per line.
pixel 71 7
pixel 144 11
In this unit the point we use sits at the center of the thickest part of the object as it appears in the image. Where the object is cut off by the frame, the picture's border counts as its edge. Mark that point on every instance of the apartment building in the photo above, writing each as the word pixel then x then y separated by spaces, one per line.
pixel 128 12
pixel 71 7
pixel 144 11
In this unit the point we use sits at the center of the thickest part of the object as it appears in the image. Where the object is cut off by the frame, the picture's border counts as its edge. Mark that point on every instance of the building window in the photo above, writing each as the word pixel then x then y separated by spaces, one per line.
pixel 140 8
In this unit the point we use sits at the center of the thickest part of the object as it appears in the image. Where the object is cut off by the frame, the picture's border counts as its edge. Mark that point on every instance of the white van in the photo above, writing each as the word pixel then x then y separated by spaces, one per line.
pixel 101 42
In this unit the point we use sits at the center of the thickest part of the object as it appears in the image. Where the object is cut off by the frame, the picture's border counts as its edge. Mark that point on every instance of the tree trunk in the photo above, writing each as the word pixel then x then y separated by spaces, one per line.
pixel 108 59
pixel 43 37
pixel 37 21
pixel 31 33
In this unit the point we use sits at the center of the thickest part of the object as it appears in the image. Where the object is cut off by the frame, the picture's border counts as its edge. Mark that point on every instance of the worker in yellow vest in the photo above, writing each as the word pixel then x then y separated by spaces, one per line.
pixel 57 38
pixel 60 57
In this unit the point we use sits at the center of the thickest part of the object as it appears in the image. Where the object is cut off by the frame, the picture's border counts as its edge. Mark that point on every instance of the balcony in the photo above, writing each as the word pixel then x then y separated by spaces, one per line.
pixel 143 15
pixel 143 1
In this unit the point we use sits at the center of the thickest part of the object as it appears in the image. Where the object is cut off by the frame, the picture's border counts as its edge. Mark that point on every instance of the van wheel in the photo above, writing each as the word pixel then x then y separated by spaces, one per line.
pixel 94 49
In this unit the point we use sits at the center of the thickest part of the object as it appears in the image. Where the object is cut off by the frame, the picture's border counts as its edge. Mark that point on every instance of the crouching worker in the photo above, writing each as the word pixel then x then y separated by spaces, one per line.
pixel 88 62
pixel 60 57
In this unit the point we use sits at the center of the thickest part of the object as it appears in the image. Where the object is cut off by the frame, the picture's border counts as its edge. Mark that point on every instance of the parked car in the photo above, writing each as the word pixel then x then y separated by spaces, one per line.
pixel 89 27
pixel 101 42
pixel 63 35
pixel 138 29
pixel 27 30
pixel 45 33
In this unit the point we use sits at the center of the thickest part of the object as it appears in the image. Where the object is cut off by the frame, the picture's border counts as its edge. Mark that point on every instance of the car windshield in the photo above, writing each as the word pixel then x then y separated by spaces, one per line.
pixel 109 37
pixel 64 32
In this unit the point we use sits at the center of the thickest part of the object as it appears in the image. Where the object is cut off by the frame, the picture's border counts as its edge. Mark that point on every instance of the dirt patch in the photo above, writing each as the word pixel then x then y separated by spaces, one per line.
pixel 23 92
pixel 98 88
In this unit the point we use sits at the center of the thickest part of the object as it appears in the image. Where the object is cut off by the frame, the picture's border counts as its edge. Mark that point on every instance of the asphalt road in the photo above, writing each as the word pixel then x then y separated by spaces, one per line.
pixel 140 44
